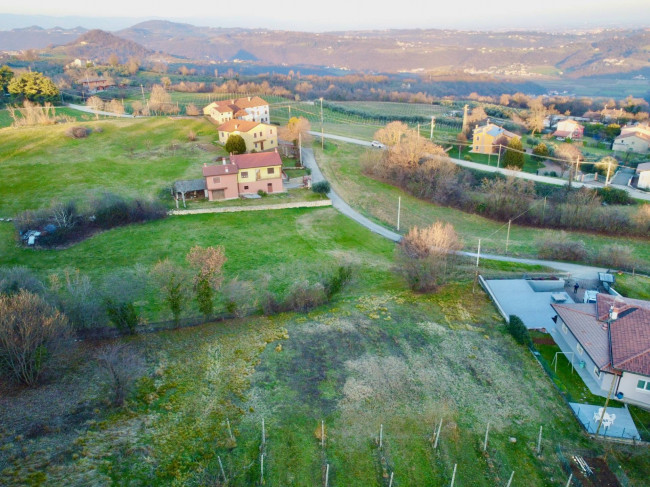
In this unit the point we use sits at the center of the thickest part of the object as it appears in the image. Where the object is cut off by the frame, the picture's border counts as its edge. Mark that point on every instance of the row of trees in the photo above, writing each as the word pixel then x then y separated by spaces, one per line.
pixel 422 169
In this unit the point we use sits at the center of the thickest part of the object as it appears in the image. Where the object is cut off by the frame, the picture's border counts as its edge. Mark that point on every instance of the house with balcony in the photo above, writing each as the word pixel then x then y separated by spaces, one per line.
pixel 257 136
pixel 243 174
pixel 608 342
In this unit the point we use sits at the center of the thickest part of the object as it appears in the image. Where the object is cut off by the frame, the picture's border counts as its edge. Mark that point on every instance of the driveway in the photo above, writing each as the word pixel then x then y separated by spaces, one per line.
pixel 576 271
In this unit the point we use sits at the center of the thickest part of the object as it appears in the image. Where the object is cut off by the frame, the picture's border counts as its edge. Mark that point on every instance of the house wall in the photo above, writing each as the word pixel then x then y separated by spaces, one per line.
pixel 644 180
pixel 628 386
pixel 254 179
pixel 219 117
pixel 255 186
pixel 568 343
pixel 253 139
pixel 226 182
pixel 482 143
pixel 259 114
pixel 632 144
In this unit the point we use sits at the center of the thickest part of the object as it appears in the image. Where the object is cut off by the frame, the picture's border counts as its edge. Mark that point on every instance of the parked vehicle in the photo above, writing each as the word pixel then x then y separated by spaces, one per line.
pixel 377 144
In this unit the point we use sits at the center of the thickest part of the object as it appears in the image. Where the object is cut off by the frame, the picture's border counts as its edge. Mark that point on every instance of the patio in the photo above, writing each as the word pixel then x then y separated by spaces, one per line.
pixel 621 427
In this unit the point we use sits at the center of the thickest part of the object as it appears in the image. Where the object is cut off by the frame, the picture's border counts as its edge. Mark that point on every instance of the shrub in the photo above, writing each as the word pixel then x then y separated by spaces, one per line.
pixel 239 297
pixel 77 132
pixel 262 193
pixel 191 136
pixel 321 187
pixel 334 283
pixel 518 330
pixel 16 279
pixel 616 256
pixel 561 248
pixel 112 210
pixel 31 333
pixel 235 144
pixel 192 110
pixel 614 196
pixel 123 315
pixel 304 296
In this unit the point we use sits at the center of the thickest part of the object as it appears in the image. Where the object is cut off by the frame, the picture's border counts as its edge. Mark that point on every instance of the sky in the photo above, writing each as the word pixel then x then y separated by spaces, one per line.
pixel 341 14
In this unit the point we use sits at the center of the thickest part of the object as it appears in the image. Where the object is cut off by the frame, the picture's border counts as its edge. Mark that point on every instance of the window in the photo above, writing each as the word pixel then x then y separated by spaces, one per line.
pixel 565 330
pixel 597 372
pixel 255 135
pixel 579 349
pixel 643 385
pixel 244 174
pixel 245 187
pixel 270 170
pixel 216 180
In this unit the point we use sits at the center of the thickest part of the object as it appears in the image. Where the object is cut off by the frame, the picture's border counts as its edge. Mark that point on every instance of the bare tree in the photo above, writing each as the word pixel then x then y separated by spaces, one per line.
pixel 208 263
pixel 297 127
pixel 425 255
pixel 536 115
pixel 115 106
pixel 172 283
pixel 392 133
pixel 31 334
pixel 95 102
pixel 192 110
pixel 160 101
pixel 122 366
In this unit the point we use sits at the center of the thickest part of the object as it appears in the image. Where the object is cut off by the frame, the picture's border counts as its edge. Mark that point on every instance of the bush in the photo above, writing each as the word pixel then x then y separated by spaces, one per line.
pixel 614 196
pixel 123 315
pixel 191 136
pixel 31 332
pixel 304 296
pixel 239 297
pixel 112 210
pixel 562 248
pixel 77 132
pixel 519 331
pixel 321 187
pixel 235 144
pixel 262 193
pixel 333 284
pixel 616 256
pixel 16 279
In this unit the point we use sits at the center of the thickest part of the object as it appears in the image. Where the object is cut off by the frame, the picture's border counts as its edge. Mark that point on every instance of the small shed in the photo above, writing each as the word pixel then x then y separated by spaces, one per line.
pixel 606 279
pixel 189 188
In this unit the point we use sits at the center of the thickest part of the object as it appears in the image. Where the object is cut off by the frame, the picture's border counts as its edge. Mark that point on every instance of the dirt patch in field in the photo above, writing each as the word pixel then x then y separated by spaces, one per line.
pixel 602 475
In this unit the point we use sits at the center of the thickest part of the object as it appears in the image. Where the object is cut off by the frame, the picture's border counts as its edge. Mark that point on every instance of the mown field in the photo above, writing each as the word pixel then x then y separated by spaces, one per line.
pixel 133 158
pixel 341 165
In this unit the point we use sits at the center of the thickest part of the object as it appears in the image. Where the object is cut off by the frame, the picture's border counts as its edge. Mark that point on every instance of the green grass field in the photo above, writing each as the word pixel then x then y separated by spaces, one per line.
pixel 377 355
pixel 129 157
pixel 377 200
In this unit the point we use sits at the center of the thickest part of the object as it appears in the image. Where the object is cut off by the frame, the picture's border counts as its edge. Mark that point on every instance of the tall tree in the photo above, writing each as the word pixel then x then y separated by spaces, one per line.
pixel 235 144
pixel 34 87
pixel 207 262
pixel 514 156
pixel 6 74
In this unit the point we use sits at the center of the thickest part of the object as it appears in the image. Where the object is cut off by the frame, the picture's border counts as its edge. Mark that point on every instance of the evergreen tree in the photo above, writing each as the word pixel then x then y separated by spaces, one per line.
pixel 512 157
pixel 235 144
pixel 34 87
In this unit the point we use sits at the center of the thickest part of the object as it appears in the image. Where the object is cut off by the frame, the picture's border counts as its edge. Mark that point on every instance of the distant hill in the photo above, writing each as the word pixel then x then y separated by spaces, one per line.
pixel 514 53
pixel 98 44
pixel 36 37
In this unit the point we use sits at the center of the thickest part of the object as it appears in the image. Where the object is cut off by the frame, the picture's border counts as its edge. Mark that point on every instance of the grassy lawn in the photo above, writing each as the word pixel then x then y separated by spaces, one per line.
pixel 128 157
pixel 377 200
pixel 630 286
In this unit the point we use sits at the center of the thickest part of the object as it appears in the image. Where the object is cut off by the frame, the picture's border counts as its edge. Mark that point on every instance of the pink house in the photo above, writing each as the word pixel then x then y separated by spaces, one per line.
pixel 569 128
pixel 244 174
pixel 221 181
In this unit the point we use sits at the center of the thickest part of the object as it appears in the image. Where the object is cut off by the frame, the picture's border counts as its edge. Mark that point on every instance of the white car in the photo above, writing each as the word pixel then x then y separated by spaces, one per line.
pixel 376 143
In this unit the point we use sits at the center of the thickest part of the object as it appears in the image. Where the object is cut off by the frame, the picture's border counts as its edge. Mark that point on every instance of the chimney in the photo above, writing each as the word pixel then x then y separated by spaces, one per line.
pixel 249 98
pixel 205 164
pixel 276 150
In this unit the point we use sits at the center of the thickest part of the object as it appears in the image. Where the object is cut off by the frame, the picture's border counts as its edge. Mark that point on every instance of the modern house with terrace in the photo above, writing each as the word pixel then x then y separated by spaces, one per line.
pixel 608 342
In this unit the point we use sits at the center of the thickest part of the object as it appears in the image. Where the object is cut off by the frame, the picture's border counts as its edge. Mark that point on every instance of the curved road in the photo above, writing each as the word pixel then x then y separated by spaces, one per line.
pixel 575 270
pixel 634 193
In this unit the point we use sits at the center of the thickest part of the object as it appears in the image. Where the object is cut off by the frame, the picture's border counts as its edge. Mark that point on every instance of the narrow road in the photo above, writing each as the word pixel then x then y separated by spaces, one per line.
pixel 308 159
pixel 634 193
pixel 86 109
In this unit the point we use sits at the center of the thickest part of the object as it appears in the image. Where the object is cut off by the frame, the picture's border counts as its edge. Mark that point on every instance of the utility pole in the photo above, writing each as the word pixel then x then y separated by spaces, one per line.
pixel 300 147
pixel 478 254
pixel 399 210
pixel 433 124
pixel 322 135
pixel 508 236
pixel 499 158
pixel 609 168
pixel 144 102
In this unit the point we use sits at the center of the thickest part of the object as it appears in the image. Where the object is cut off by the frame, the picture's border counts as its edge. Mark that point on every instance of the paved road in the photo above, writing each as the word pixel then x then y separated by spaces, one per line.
pixel 641 195
pixel 86 109
pixel 575 270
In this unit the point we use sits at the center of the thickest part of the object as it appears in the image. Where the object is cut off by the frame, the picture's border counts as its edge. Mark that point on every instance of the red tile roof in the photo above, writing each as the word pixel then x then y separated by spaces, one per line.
pixel 258 159
pixel 219 170
pixel 250 102
pixel 238 125
pixel 628 339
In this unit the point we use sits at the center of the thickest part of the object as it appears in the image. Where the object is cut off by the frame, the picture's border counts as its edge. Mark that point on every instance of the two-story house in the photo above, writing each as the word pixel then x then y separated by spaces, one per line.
pixel 569 129
pixel 244 174
pixel 635 138
pixel 250 109
pixel 257 136
pixel 485 137
pixel 609 343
